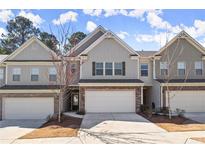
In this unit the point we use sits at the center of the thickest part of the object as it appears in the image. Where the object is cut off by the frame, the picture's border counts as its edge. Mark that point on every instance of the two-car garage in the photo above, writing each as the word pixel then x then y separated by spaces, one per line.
pixel 110 100
pixel 27 107
pixel 188 100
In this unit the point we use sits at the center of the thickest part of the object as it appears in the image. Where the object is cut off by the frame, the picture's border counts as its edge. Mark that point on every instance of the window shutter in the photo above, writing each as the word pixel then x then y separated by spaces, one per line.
pixel 93 68
pixel 123 68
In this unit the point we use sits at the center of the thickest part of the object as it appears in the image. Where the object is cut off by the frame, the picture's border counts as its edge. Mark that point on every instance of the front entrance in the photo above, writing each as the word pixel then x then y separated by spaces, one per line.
pixel 75 102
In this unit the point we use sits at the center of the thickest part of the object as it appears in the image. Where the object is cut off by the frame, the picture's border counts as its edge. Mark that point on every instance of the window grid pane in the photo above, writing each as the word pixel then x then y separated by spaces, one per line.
pixel 144 69
pixel 34 77
pixel 1 74
pixel 108 68
pixel 52 77
pixel 99 68
pixel 118 68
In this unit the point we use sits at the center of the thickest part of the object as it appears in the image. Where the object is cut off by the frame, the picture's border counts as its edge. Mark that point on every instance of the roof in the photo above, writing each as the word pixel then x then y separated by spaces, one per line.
pixel 146 53
pixel 181 80
pixel 28 42
pixel 10 87
pixel 2 57
pixel 110 81
pixel 185 35
pixel 109 34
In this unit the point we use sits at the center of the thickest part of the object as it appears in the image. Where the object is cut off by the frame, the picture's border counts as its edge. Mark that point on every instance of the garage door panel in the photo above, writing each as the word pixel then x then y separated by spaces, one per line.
pixel 28 108
pixel 190 101
pixel 110 101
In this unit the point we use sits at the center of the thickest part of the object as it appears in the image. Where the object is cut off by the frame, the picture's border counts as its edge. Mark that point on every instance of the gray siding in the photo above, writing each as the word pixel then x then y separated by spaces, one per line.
pixel 181 51
pixel 109 51
pixel 2 82
pixel 34 52
pixel 26 75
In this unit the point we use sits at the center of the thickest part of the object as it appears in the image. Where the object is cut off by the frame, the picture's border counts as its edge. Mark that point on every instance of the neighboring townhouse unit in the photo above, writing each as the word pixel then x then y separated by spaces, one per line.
pixel 107 76
pixel 29 88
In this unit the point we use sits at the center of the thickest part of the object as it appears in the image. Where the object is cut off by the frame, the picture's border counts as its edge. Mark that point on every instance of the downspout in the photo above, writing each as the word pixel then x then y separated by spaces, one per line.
pixel 141 95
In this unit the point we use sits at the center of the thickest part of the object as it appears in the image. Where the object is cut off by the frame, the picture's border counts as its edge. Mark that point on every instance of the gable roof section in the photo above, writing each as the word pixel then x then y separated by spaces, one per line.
pixel 26 44
pixel 186 36
pixel 110 34
pixel 76 49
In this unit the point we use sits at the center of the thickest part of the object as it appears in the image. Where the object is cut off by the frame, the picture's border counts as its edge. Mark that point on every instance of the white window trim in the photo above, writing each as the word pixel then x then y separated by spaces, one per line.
pixel 180 68
pixel 102 68
pixel 105 69
pixel 121 69
pixel 51 71
pixel 19 73
pixel 198 68
pixel 1 73
pixel 144 69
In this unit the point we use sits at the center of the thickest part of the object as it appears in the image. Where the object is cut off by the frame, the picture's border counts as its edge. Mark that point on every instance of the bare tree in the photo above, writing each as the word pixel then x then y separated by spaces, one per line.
pixel 66 75
pixel 170 58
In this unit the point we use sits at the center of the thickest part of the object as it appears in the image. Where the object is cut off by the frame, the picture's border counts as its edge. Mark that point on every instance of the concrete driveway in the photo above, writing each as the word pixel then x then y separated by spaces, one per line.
pixel 119 128
pixel 196 116
pixel 10 130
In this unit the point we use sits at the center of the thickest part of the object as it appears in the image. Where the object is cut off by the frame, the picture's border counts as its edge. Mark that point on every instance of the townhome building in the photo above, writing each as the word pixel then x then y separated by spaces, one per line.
pixel 107 76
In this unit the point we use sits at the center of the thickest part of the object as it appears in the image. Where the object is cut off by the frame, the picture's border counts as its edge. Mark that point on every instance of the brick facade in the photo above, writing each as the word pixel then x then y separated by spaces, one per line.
pixel 29 95
pixel 180 88
pixel 82 95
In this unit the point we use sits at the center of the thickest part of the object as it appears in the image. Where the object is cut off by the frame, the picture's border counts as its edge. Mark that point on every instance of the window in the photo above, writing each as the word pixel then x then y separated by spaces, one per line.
pixel 118 68
pixel 144 69
pixel 34 74
pixel 163 68
pixel 73 68
pixel 16 74
pixel 1 74
pixel 52 74
pixel 198 67
pixel 108 68
pixel 99 68
pixel 181 68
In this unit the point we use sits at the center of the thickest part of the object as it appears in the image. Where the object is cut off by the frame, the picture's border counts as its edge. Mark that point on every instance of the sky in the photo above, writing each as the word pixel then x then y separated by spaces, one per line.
pixel 141 29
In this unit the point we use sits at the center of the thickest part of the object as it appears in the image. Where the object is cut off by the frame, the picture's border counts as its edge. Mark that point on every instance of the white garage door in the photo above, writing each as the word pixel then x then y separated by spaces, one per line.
pixel 110 101
pixel 27 108
pixel 190 101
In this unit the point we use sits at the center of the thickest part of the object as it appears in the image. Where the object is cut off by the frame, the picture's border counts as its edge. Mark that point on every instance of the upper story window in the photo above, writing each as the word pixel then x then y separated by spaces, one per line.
pixel 1 73
pixel 144 69
pixel 163 68
pixel 34 74
pixel 52 74
pixel 16 72
pixel 99 68
pixel 108 68
pixel 181 66
pixel 73 68
pixel 118 68
pixel 198 67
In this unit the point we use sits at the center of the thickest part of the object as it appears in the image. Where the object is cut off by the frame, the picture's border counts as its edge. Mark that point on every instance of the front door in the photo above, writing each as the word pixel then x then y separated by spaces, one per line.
pixel 75 102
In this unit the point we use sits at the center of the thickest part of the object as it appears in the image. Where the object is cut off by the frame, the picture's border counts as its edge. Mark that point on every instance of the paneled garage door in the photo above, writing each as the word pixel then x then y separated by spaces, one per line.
pixel 190 101
pixel 110 101
pixel 27 108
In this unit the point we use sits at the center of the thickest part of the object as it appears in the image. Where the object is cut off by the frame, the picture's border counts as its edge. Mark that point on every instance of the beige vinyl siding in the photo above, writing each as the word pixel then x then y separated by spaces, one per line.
pixel 25 78
pixel 109 51
pixel 189 54
pixel 34 51
pixel 2 81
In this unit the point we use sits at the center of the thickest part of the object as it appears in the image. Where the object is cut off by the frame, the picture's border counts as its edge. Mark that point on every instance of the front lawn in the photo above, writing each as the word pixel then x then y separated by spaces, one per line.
pixel 176 124
pixel 68 127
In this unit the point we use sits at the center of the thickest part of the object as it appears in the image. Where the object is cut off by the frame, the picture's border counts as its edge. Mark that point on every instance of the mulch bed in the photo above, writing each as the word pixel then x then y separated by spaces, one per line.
pixel 68 127
pixel 175 124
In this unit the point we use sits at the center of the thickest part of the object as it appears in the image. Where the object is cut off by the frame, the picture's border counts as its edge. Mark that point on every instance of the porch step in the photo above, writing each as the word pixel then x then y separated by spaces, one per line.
pixel 73 114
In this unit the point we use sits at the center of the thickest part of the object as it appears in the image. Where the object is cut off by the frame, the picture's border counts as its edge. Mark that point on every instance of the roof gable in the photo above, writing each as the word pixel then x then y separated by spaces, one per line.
pixel 33 49
pixel 186 36
pixel 87 41
pixel 110 35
